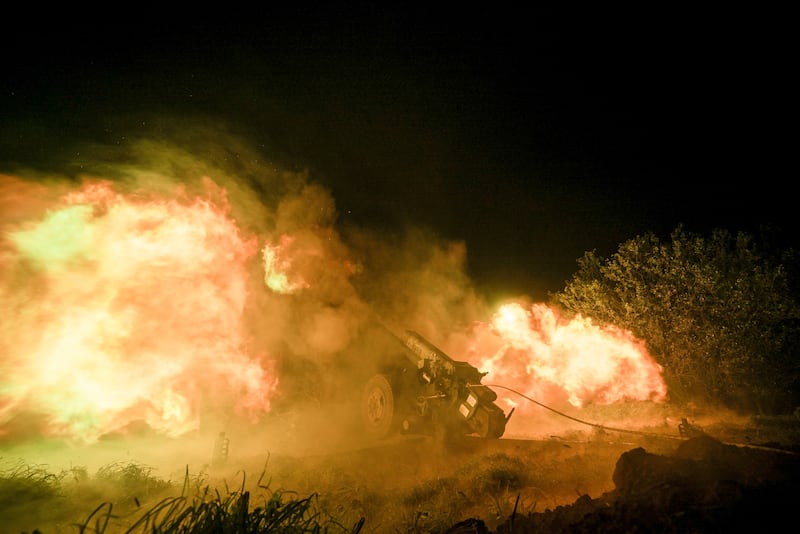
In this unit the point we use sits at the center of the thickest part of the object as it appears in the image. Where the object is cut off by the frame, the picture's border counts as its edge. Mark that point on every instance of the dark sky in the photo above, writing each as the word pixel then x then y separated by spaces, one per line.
pixel 533 136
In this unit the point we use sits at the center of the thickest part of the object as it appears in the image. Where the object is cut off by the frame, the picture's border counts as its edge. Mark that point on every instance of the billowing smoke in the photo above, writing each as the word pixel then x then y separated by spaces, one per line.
pixel 195 286
pixel 140 291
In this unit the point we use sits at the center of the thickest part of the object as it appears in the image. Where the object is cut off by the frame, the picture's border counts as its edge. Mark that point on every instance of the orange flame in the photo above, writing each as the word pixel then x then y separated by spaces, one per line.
pixel 278 267
pixel 120 308
pixel 537 353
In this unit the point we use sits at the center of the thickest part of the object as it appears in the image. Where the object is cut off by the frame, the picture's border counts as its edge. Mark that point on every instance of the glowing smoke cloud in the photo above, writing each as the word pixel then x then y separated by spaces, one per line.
pixel 536 352
pixel 122 305
pixel 121 308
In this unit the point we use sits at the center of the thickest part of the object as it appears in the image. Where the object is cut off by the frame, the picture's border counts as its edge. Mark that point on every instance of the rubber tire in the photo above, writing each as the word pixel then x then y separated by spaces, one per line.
pixel 377 407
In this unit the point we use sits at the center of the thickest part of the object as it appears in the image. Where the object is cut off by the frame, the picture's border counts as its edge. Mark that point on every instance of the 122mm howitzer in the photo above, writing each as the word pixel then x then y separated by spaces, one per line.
pixel 426 391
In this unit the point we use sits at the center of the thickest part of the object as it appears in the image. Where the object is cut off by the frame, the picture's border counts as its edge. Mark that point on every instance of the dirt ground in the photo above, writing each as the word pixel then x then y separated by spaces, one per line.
pixel 710 476
pixel 671 478
pixel 414 484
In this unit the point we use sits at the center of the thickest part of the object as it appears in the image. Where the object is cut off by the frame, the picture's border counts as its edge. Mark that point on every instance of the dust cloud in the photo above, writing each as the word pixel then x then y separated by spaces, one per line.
pixel 166 295
pixel 136 310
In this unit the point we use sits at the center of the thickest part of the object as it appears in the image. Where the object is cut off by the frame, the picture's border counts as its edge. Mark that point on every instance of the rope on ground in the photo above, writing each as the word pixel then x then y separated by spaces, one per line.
pixel 687 430
pixel 595 425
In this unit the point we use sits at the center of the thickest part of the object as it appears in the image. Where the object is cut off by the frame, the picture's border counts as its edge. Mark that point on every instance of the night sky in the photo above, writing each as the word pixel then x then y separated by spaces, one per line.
pixel 532 136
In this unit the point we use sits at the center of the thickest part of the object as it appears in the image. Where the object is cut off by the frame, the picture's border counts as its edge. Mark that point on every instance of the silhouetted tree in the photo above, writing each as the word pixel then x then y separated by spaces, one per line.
pixel 719 313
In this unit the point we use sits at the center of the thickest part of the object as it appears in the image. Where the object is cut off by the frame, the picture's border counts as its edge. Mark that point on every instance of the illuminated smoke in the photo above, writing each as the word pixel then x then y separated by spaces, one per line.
pixel 276 267
pixel 150 299
pixel 541 355
pixel 120 308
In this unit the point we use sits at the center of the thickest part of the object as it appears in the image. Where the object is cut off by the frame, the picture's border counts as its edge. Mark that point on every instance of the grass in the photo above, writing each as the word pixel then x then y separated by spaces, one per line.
pixel 215 513
pixel 408 488
pixel 132 500
pixel 32 492
pixel 32 499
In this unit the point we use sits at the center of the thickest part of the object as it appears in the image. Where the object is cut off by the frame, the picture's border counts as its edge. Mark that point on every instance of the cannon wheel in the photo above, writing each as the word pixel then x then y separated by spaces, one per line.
pixel 377 407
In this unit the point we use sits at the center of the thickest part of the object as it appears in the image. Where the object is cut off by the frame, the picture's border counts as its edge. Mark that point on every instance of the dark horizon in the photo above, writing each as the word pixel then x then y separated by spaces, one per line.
pixel 532 137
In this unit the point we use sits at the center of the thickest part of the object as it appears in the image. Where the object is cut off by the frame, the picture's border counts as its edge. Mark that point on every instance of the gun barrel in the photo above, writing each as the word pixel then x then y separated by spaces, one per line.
pixel 424 348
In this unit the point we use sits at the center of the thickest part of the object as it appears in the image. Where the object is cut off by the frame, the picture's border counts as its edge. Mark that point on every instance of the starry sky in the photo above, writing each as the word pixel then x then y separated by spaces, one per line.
pixel 533 136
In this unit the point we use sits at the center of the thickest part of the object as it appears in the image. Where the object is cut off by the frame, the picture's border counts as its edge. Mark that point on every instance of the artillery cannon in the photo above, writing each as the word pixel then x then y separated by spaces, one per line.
pixel 423 390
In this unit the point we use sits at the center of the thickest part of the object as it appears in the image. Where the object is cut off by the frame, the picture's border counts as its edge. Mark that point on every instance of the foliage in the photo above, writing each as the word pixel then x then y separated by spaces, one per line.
pixel 209 511
pixel 34 496
pixel 719 313
pixel 212 512
pixel 31 493
pixel 27 482
pixel 424 493
pixel 499 472
pixel 132 478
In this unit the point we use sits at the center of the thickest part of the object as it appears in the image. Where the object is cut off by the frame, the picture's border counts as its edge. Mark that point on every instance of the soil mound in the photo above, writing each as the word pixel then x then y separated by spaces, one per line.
pixel 704 486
